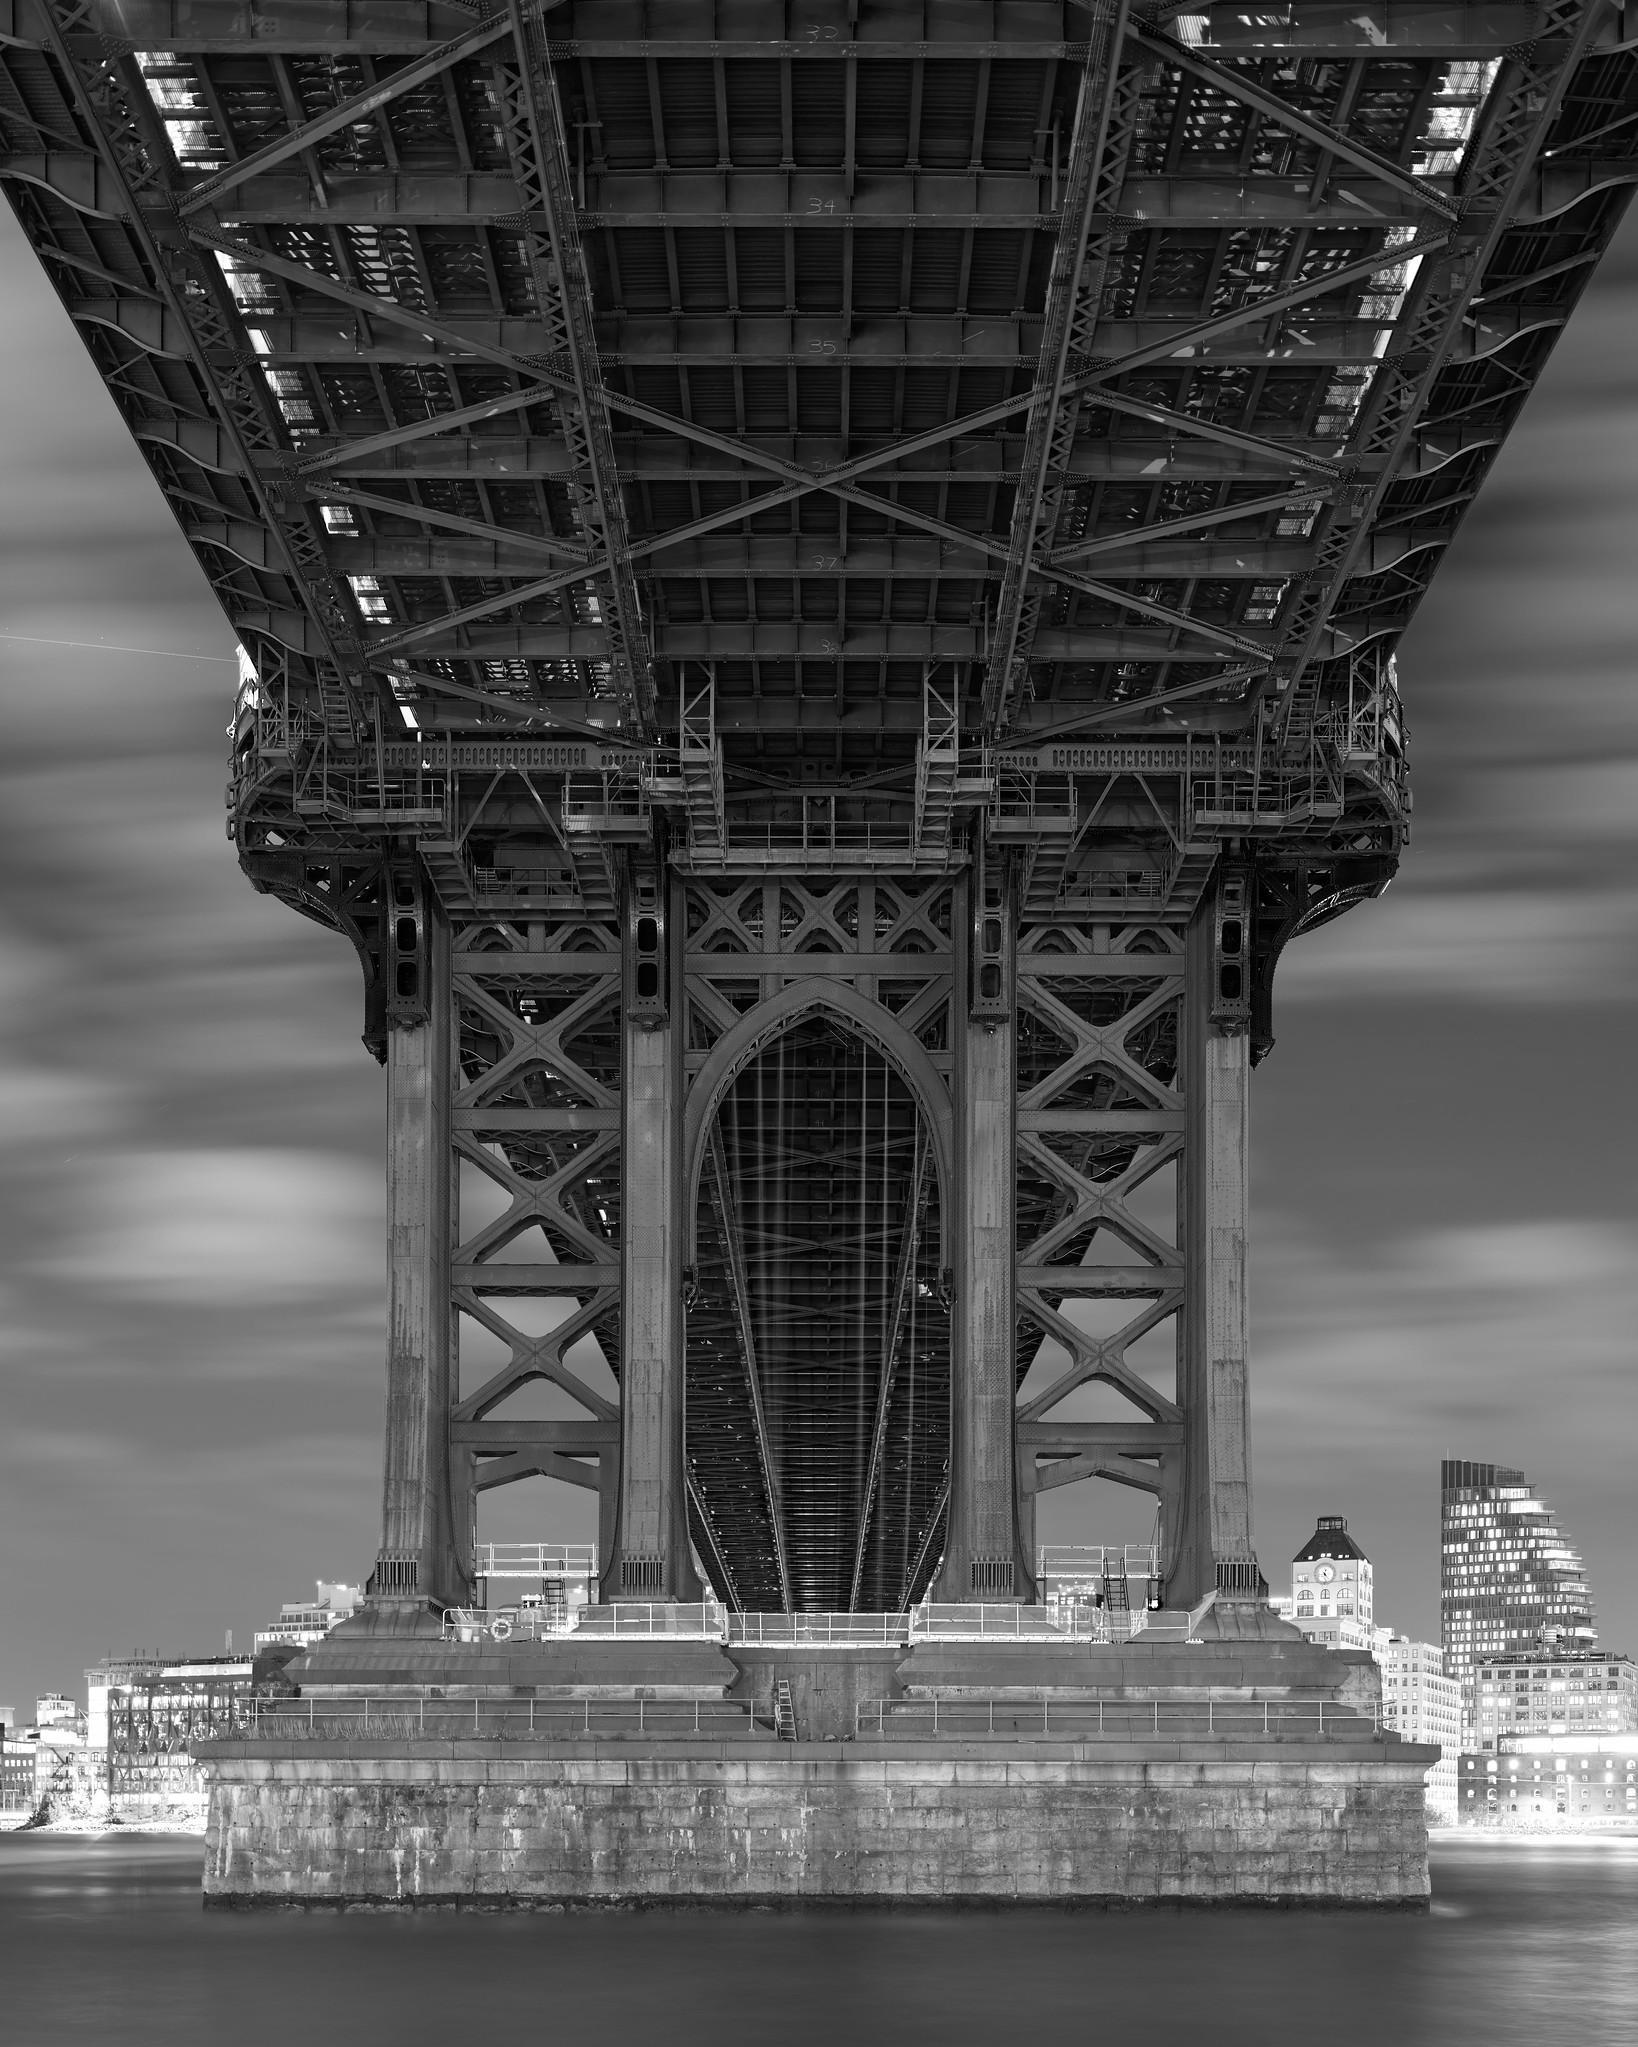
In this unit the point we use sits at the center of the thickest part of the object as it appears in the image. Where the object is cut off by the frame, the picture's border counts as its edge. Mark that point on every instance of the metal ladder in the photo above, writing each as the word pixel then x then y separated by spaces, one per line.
pixel 784 1710
pixel 1116 1597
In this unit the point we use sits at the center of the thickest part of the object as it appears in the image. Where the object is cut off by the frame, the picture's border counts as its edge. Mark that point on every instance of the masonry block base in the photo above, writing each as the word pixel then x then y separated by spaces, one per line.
pixel 480 1824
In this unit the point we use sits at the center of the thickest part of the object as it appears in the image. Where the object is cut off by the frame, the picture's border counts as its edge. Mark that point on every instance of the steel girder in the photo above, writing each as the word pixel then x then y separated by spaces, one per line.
pixel 1242 179
pixel 1112 382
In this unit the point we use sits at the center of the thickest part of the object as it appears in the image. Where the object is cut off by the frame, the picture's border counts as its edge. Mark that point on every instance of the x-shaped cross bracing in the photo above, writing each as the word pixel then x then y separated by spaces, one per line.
pixel 536 1357
pixel 534 1045
pixel 838 481
pixel 1093 1357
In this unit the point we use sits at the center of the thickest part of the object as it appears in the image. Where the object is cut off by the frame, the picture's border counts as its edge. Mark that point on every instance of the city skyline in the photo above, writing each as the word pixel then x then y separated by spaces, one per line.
pixel 1443 1237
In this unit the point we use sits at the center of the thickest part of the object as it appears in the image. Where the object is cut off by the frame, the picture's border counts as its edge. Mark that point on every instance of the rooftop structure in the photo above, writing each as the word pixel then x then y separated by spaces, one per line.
pixel 1511 1583
pixel 303 1621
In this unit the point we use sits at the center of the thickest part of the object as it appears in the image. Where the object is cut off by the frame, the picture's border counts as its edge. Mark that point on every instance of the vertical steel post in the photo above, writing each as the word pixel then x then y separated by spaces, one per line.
pixel 418 1565
pixel 650 1557
pixel 1214 1548
pixel 981 1551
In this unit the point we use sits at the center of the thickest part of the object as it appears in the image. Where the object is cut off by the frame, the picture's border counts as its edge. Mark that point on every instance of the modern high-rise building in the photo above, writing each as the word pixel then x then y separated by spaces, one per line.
pixel 1511 1583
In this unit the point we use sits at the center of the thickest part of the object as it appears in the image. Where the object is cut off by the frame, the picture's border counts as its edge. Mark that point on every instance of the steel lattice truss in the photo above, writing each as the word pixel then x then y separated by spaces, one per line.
pixel 863 442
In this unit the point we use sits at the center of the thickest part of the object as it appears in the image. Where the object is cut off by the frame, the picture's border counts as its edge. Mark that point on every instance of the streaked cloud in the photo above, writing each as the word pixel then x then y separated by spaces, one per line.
pixel 238 1225
pixel 1540 946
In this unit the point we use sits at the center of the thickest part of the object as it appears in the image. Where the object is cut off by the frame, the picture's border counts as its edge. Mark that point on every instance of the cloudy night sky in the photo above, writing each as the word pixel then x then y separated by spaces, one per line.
pixel 191 1297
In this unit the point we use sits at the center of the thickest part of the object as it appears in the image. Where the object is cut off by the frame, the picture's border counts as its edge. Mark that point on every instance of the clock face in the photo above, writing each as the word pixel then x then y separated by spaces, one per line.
pixel 1325 1574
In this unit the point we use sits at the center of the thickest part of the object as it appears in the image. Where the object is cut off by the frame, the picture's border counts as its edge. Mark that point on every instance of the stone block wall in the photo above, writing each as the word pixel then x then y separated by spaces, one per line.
pixel 482 1823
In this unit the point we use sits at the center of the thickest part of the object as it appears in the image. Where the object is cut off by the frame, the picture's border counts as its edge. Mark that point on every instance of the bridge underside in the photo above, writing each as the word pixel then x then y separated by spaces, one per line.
pixel 819 585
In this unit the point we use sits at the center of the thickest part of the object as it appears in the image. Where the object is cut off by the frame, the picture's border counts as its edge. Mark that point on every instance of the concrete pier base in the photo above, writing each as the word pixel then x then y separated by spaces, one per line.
pixel 575 1773
pixel 741 1824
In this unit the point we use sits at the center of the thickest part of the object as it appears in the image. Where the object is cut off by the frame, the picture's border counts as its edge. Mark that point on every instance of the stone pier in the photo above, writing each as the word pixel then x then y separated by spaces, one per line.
pixel 601 1773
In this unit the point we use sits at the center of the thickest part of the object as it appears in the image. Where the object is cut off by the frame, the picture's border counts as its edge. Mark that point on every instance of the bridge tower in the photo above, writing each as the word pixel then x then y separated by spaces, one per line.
pixel 819 582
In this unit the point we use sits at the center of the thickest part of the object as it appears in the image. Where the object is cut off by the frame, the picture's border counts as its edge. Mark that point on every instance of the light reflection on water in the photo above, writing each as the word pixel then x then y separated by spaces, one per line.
pixel 1526 1943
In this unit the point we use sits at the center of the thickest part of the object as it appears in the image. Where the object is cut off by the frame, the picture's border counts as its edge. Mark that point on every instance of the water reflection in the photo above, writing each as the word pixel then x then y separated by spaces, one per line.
pixel 105 1940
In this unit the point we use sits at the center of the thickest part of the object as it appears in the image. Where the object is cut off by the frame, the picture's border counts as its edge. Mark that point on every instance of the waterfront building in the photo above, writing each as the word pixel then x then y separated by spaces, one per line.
pixel 1420 1703
pixel 303 1622
pixel 1333 1599
pixel 1568 1781
pixel 1511 1583
pixel 59 1750
pixel 1567 1692
pixel 143 1716
pixel 16 1772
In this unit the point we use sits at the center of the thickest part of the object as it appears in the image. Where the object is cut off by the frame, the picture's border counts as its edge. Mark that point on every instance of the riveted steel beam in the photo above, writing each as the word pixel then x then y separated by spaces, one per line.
pixel 532 123
pixel 1237 85
pixel 507 537
pixel 1076 284
pixel 1192 522
pixel 1434 329
pixel 136 153
pixel 345 113
pixel 365 445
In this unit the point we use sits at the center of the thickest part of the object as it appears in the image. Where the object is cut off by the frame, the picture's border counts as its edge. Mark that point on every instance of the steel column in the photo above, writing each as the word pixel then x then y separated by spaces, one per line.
pixel 981 1550
pixel 651 1557
pixel 418 1564
pixel 1213 1552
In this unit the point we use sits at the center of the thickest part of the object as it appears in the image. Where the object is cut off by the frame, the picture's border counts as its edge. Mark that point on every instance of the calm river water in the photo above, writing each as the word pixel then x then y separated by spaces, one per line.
pixel 105 1941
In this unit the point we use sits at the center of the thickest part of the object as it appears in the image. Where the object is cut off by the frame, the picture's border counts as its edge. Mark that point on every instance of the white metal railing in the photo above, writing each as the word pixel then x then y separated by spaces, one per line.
pixel 840 1630
pixel 537 1560
pixel 639 1620
pixel 542 887
pixel 654 1620
pixel 343 1718
pixel 1138 885
pixel 1011 1622
pixel 506 1623
pixel 486 1719
pixel 1055 1561
pixel 1038 1719
pixel 815 827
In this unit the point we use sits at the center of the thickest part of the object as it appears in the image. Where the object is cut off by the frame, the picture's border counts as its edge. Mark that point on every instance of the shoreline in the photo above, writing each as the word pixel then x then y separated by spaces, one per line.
pixel 102 1830
pixel 1514 1837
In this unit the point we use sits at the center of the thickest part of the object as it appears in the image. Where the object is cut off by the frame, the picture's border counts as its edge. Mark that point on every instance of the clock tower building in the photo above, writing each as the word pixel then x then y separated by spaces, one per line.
pixel 1332 1599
